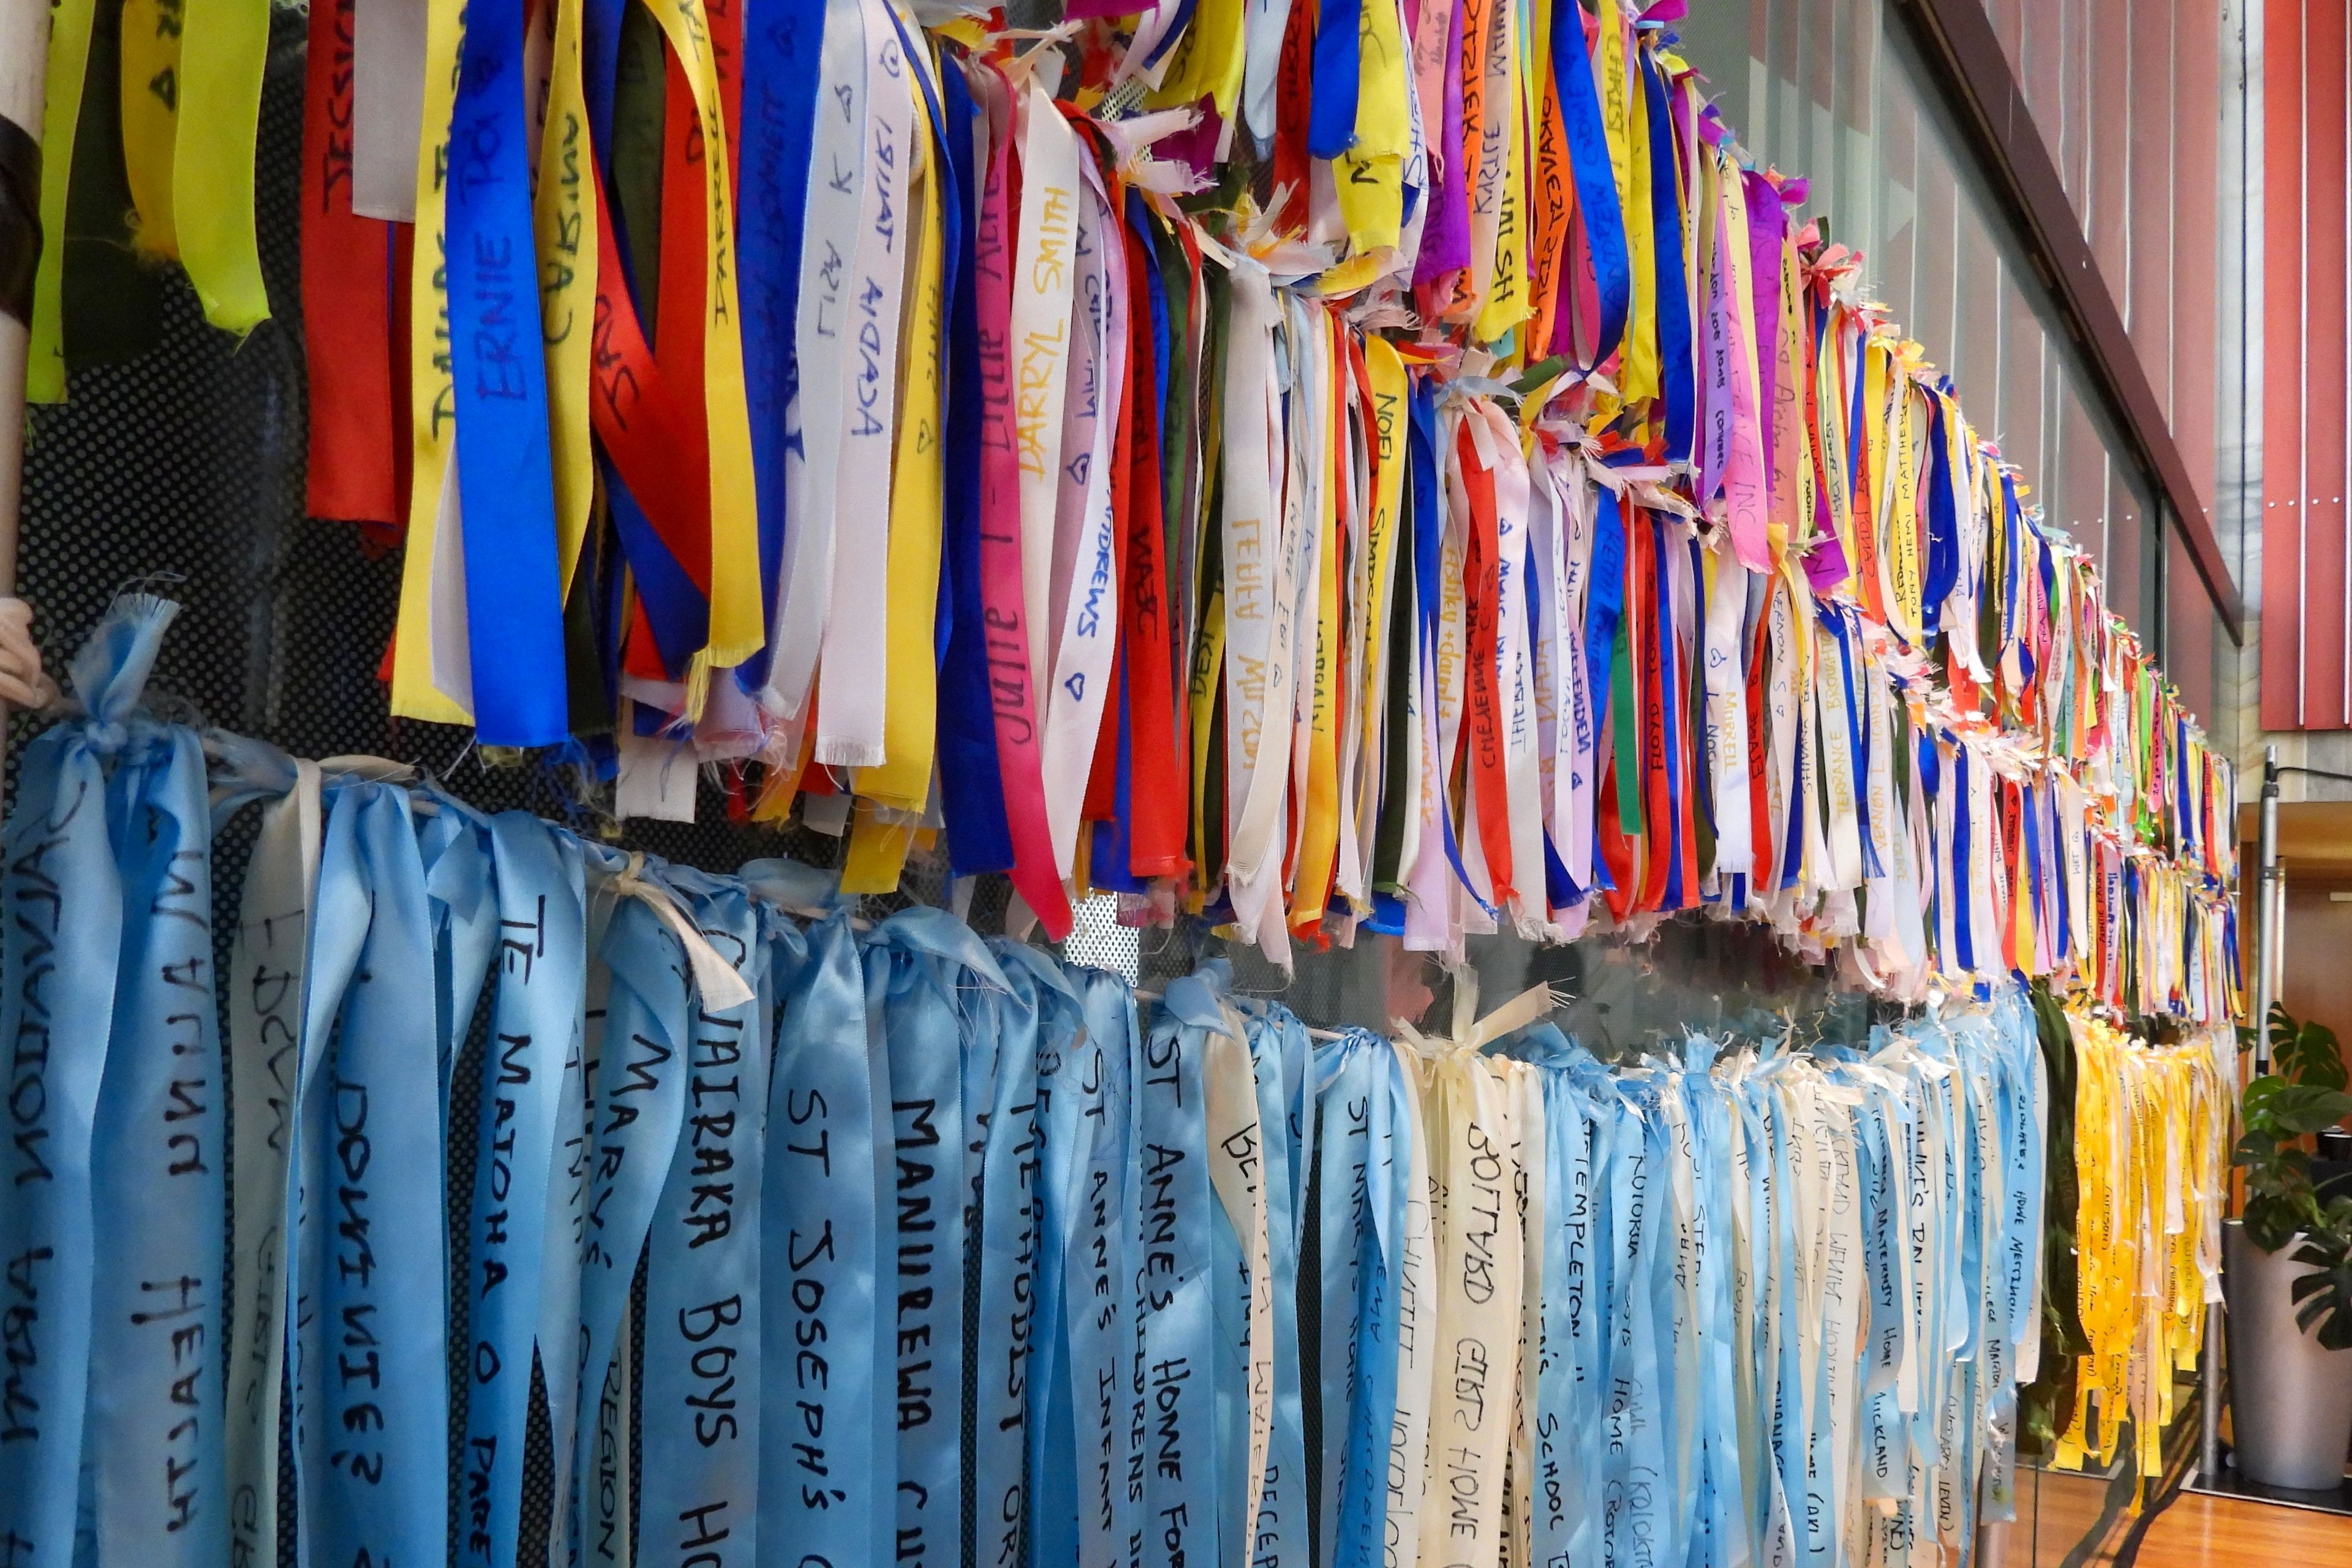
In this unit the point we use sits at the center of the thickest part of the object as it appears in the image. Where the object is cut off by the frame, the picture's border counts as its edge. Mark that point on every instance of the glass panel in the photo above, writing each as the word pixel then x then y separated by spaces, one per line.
pixel 2188 636
pixel 1833 93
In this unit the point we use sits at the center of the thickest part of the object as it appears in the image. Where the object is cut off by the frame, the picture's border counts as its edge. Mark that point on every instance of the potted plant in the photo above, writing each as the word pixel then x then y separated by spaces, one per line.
pixel 2289 1262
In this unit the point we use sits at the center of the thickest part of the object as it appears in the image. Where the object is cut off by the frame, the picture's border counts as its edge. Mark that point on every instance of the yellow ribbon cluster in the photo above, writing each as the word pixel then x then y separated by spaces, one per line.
pixel 2151 1138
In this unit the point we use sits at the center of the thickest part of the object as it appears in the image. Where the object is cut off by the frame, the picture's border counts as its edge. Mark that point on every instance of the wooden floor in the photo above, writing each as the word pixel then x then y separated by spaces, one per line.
pixel 2197 1531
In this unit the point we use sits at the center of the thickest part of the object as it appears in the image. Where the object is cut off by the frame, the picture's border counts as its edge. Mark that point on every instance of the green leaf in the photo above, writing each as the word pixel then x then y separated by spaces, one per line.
pixel 2270 1222
pixel 2322 1058
pixel 2306 1108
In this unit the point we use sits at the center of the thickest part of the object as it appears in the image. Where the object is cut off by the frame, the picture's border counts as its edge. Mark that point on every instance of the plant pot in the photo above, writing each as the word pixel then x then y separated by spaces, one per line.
pixel 2290 1400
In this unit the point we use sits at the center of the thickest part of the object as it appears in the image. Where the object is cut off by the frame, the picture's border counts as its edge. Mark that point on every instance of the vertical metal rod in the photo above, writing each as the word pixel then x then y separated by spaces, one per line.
pixel 2273 909
pixel 2269 909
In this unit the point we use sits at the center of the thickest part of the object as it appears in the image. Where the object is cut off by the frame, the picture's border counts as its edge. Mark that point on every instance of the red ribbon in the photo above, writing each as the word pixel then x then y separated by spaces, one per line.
pixel 356 440
pixel 1158 775
pixel 1482 737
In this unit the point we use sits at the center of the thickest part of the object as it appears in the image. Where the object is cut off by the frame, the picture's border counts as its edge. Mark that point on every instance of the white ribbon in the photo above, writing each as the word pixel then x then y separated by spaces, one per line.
pixel 852 678
pixel 1086 586
pixel 1044 283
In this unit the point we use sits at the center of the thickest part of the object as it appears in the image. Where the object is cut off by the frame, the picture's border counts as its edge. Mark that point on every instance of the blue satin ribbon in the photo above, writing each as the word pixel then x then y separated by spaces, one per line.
pixel 1333 89
pixel 1596 185
pixel 1678 367
pixel 971 792
pixel 1364 1154
pixel 1002 1110
pixel 1091 1107
pixel 640 1106
pixel 1173 1389
pixel 61 926
pixel 779 72
pixel 918 964
pixel 698 1410
pixel 1943 523
pixel 819 1487
pixel 369 1356
pixel 156 1461
pixel 1280 1055
pixel 541 967
pixel 1064 1144
pixel 506 479
pixel 462 910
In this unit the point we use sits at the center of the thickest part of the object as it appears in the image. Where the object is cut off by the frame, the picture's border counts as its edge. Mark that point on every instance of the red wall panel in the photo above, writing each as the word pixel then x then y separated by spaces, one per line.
pixel 2306 667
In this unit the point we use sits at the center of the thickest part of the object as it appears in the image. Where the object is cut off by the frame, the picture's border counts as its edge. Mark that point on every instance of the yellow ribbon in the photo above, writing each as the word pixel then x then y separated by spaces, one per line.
pixel 222 53
pixel 563 224
pixel 878 842
pixel 150 104
pixel 69 23
pixel 432 390
pixel 738 611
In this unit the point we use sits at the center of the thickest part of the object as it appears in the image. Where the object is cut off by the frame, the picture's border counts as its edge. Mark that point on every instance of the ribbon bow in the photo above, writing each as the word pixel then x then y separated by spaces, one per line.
pixel 1526 1008
pixel 717 979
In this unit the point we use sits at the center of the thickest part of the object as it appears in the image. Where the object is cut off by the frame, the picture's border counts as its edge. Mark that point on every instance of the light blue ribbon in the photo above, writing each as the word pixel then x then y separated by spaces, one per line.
pixel 61 900
pixel 640 1076
pixel 1004 1025
pixel 1065 1056
pixel 917 962
pixel 1097 1267
pixel 153 1440
pixel 542 963
pixel 1173 1389
pixel 463 907
pixel 1633 1416
pixel 699 1417
pixel 1365 1143
pixel 819 1490
pixel 370 1356
pixel 1280 1053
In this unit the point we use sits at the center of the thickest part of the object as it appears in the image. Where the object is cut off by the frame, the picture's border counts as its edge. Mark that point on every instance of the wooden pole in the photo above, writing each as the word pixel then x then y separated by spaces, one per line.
pixel 24 89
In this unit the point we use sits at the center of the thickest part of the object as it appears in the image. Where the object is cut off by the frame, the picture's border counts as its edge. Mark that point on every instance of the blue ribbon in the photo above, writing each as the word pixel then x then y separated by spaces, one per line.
pixel 1175 1316
pixel 1365 1148
pixel 370 1364
pixel 699 1421
pixel 1001 1108
pixel 1062 1149
pixel 541 962
pixel 506 479
pixel 780 46
pixel 640 1082
pixel 462 910
pixel 61 898
pixel 1333 89
pixel 1280 1053
pixel 1596 183
pixel 916 964
pixel 819 1487
pixel 1092 1101
pixel 971 792
pixel 153 1442
pixel 1678 367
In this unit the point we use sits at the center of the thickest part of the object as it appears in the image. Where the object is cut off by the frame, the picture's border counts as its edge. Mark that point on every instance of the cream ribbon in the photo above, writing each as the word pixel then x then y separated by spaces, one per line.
pixel 1237 1171
pixel 718 982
